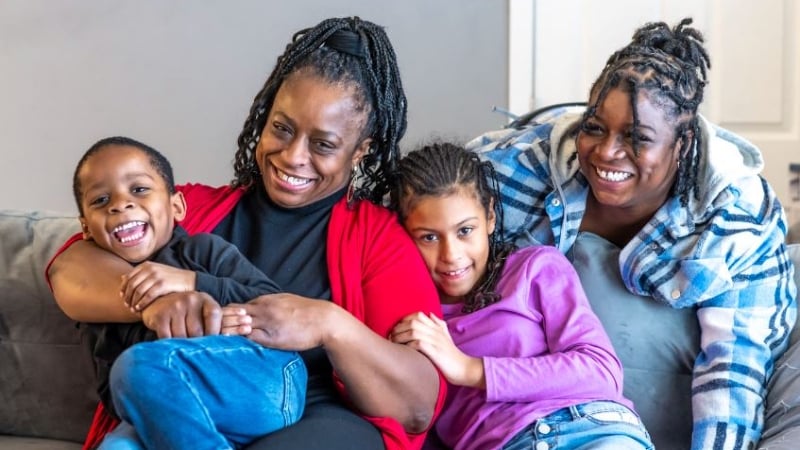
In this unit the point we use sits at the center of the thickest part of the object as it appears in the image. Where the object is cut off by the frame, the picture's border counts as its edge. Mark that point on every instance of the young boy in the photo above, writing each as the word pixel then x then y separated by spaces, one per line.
pixel 128 205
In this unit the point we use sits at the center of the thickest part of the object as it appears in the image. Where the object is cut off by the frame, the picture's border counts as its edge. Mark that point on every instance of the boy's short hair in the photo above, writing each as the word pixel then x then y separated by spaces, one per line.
pixel 157 160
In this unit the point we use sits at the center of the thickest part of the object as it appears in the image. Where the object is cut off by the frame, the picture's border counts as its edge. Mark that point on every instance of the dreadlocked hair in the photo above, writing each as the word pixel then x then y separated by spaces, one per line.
pixel 669 65
pixel 347 52
pixel 443 169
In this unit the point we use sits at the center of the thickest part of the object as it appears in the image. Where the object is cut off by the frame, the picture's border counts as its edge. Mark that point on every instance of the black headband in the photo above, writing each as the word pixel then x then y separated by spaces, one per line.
pixel 347 41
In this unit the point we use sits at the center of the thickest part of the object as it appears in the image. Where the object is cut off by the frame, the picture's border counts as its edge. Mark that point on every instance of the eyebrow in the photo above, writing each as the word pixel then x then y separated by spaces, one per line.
pixel 630 124
pixel 327 134
pixel 127 177
pixel 459 224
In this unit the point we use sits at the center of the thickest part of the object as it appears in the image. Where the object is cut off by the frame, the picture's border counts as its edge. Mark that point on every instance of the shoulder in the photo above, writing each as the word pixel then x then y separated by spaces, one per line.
pixel 206 239
pixel 363 213
pixel 206 192
pixel 202 243
pixel 535 259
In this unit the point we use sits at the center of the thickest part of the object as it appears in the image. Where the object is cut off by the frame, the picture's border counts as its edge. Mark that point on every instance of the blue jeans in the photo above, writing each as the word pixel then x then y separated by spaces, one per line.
pixel 212 392
pixel 593 425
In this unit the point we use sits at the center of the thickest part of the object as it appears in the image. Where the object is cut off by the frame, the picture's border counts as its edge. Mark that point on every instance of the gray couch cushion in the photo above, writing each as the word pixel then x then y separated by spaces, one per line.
pixel 46 377
pixel 782 417
pixel 24 443
pixel 656 344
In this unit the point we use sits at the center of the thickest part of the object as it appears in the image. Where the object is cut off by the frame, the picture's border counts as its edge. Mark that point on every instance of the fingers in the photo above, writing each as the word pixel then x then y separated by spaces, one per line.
pixel 149 281
pixel 178 328
pixel 184 314
pixel 139 290
pixel 212 318
pixel 414 327
pixel 236 321
pixel 162 329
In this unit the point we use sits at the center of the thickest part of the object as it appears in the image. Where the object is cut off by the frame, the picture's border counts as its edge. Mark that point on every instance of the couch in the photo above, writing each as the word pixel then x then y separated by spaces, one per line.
pixel 46 386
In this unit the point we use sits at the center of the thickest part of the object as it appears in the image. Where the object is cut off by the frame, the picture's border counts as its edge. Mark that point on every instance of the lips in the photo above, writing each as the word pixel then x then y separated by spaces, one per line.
pixel 129 232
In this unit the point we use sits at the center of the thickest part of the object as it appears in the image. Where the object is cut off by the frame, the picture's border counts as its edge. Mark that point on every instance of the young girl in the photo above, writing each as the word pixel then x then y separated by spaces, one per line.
pixel 529 363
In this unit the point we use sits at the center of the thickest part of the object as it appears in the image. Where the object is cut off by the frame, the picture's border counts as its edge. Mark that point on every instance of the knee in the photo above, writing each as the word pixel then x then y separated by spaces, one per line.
pixel 136 366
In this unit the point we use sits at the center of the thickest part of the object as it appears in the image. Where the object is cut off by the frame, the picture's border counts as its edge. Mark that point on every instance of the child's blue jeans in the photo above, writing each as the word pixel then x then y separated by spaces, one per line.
pixel 593 425
pixel 211 392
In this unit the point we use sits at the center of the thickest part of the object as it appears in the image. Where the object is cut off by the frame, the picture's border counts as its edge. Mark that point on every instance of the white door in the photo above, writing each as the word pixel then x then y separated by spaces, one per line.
pixel 754 46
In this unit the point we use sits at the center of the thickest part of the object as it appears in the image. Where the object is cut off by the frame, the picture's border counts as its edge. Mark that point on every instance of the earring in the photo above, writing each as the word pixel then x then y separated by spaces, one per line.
pixel 351 187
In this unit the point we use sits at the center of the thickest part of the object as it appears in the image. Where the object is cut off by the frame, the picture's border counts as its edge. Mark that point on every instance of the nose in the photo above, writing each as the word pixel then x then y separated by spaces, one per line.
pixel 450 250
pixel 296 153
pixel 120 203
pixel 610 147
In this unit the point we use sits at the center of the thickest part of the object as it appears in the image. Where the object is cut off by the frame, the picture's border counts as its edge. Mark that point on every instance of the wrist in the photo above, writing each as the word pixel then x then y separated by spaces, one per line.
pixel 333 326
pixel 474 373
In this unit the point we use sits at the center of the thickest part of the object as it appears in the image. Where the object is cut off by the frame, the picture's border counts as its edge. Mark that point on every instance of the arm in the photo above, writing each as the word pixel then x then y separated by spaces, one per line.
pixel 366 363
pixel 204 263
pixel 86 284
pixel 742 332
pixel 380 280
pixel 577 347
pixel 384 379
pixel 429 334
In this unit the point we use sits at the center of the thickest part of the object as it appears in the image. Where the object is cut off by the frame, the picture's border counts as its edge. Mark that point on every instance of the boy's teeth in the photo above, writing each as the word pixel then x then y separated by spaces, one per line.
pixel 125 226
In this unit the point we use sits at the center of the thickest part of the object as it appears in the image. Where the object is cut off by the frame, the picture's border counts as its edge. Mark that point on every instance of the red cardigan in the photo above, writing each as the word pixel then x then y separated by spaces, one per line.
pixel 375 271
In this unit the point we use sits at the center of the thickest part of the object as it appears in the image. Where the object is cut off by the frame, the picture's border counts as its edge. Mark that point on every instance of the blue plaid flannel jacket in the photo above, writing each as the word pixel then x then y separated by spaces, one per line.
pixel 723 253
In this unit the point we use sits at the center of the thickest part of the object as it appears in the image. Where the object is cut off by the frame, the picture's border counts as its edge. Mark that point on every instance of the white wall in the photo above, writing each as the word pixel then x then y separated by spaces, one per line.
pixel 180 75
pixel 754 81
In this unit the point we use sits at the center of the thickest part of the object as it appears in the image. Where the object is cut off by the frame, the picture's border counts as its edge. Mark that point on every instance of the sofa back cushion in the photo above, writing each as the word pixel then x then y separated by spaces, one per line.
pixel 782 416
pixel 656 344
pixel 46 375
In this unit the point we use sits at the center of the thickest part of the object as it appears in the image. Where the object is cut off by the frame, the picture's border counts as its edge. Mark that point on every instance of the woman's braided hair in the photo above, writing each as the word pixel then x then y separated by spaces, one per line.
pixel 347 52
pixel 443 169
pixel 669 65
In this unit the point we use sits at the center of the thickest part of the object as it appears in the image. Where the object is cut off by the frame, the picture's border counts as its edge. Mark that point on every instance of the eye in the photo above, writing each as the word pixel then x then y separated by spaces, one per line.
pixel 324 146
pixel 465 231
pixel 427 238
pixel 640 137
pixel 591 128
pixel 99 201
pixel 279 129
pixel 140 189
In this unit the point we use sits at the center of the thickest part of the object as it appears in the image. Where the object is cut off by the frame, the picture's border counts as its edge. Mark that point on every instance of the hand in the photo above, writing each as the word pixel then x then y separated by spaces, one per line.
pixel 183 314
pixel 236 321
pixel 429 334
pixel 149 281
pixel 289 322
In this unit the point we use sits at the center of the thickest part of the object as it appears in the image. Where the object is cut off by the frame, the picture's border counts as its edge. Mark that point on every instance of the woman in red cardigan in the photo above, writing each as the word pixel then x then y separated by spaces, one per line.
pixel 312 167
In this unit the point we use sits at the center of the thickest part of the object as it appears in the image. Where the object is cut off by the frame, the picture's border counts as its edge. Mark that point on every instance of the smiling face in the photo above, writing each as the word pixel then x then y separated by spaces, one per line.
pixel 619 178
pixel 452 234
pixel 311 141
pixel 127 208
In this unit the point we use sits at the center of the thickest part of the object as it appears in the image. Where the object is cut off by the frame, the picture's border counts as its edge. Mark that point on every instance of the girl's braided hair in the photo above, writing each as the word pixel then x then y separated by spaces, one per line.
pixel 348 52
pixel 443 169
pixel 669 65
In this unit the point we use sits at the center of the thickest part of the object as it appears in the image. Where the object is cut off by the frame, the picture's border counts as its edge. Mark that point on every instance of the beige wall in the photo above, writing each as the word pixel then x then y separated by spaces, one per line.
pixel 180 75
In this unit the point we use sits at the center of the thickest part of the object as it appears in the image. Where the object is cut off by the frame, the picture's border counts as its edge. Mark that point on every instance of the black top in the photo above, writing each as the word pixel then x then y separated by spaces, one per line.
pixel 289 245
pixel 222 272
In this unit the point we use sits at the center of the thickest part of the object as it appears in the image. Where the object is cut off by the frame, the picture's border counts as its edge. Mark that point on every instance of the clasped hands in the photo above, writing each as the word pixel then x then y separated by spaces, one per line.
pixel 165 298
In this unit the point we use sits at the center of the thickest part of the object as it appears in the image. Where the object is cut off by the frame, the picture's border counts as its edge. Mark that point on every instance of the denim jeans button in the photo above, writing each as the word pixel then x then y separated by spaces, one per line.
pixel 542 446
pixel 543 428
